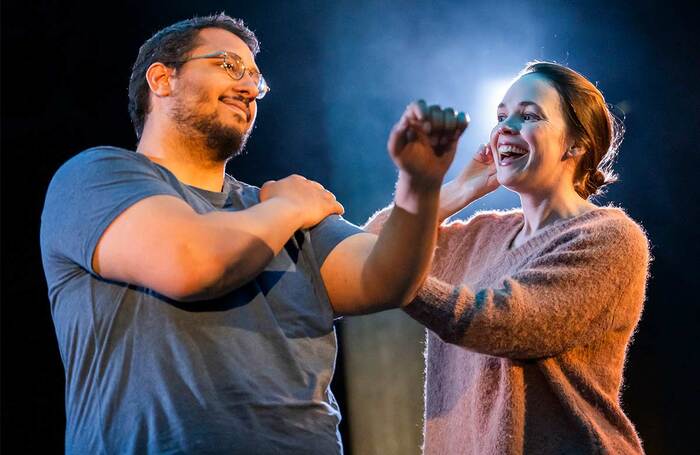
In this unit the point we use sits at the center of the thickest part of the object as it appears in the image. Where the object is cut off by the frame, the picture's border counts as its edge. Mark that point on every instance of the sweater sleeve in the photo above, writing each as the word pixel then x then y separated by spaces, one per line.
pixel 375 223
pixel 560 299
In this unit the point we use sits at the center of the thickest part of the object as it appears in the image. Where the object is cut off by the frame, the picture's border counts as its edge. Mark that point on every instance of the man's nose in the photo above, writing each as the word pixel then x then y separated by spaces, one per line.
pixel 248 87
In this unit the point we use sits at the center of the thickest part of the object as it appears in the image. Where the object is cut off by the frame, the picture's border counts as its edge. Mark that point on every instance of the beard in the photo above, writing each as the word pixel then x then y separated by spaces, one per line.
pixel 223 142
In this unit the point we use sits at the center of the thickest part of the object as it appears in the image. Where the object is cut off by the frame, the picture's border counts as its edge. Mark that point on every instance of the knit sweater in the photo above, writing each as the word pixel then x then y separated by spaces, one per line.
pixel 526 345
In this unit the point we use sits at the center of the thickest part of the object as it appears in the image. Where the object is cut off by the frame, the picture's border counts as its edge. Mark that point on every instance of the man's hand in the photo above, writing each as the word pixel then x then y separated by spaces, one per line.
pixel 477 179
pixel 311 200
pixel 365 273
pixel 424 141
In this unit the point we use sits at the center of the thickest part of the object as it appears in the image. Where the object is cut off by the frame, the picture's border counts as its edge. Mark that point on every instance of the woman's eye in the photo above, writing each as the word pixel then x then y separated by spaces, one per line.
pixel 501 117
pixel 528 117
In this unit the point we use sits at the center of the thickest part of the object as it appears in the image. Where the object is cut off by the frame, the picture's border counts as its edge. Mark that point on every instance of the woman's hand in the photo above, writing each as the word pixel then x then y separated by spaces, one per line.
pixel 477 179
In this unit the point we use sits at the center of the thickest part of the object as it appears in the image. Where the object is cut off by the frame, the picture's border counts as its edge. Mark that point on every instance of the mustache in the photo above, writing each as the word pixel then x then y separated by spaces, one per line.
pixel 243 100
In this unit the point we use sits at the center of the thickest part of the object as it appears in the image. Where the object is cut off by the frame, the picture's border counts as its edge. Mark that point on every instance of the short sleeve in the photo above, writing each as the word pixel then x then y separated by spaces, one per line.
pixel 87 193
pixel 328 234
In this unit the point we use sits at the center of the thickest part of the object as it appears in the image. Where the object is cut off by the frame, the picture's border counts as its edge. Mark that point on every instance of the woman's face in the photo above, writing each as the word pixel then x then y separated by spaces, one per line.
pixel 529 142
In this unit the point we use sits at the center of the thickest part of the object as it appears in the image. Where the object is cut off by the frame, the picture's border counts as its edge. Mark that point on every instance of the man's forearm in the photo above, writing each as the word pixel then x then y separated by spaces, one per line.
pixel 236 246
pixel 401 257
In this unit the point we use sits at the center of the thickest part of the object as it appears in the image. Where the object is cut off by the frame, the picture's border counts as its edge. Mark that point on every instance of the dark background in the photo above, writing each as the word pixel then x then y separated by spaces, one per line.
pixel 341 73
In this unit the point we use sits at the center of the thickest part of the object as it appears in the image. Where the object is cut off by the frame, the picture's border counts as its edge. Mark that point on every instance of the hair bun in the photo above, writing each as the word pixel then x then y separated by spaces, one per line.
pixel 598 178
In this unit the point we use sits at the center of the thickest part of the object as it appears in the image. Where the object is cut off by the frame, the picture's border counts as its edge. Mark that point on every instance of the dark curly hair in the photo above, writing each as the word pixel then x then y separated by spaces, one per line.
pixel 172 44
pixel 589 122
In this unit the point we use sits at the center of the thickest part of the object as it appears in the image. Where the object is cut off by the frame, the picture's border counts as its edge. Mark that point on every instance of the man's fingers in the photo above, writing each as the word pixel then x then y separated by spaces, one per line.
pixel 338 208
pixel 422 107
pixel 417 111
pixel 436 120
pixel 432 123
pixel 330 195
pixel 462 123
pixel 409 125
pixel 449 121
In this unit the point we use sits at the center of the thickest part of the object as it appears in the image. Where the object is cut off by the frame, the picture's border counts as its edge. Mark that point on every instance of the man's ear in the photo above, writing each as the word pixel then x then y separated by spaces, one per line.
pixel 158 77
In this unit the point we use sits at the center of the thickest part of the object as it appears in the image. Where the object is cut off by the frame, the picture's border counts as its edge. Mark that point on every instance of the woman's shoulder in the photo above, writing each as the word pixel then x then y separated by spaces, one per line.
pixel 609 222
pixel 491 221
pixel 482 231
pixel 606 232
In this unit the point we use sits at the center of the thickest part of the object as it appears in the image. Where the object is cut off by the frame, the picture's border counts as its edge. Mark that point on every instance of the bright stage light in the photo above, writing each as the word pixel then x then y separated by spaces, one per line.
pixel 490 95
pixel 487 96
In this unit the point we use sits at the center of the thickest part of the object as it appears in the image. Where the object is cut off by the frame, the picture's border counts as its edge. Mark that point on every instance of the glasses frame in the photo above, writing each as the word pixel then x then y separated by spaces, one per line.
pixel 262 86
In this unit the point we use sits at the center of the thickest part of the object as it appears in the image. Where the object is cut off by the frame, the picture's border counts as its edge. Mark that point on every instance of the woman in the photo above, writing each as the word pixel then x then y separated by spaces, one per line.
pixel 531 310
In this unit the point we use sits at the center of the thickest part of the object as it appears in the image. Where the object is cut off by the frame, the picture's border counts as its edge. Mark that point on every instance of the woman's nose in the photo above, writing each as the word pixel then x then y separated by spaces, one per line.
pixel 506 128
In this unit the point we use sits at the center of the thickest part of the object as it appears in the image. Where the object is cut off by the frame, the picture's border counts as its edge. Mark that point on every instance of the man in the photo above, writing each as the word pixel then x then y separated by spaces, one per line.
pixel 194 313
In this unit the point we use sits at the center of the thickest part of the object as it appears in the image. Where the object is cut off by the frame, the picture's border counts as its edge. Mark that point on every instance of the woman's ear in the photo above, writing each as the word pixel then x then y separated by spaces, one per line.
pixel 158 77
pixel 575 151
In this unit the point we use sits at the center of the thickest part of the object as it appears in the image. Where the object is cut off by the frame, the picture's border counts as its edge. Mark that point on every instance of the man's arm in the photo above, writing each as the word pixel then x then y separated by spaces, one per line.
pixel 367 273
pixel 161 243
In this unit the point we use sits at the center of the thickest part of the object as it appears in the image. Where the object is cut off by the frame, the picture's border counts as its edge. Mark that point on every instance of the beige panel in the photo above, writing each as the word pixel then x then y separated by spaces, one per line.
pixel 384 380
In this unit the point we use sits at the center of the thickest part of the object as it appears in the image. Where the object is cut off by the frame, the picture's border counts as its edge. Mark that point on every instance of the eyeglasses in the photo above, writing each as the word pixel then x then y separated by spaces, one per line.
pixel 236 69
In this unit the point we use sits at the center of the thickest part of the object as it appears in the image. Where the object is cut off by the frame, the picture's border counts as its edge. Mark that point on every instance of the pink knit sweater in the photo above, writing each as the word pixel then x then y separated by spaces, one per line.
pixel 526 346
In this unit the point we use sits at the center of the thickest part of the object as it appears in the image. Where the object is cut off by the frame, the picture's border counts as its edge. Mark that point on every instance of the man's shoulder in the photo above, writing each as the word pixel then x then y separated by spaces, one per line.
pixel 99 161
pixel 102 153
pixel 244 187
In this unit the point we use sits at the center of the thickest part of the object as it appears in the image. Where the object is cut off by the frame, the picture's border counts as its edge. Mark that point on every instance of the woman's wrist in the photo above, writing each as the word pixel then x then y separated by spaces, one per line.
pixel 454 196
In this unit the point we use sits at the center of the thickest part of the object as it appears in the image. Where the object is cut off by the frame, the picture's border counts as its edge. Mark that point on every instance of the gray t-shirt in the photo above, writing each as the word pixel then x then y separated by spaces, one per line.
pixel 248 372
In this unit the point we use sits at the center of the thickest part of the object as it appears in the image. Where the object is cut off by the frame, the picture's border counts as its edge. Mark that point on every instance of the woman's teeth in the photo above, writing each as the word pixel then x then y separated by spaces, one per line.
pixel 510 153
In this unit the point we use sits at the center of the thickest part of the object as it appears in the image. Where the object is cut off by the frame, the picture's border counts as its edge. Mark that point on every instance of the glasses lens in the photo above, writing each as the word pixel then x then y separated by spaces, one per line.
pixel 263 88
pixel 234 65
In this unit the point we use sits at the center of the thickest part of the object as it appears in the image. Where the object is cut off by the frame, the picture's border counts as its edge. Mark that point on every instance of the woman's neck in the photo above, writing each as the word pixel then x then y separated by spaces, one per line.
pixel 541 210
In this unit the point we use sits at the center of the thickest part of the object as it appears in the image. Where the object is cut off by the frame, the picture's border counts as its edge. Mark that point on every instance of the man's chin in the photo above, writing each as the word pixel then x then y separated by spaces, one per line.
pixel 224 138
pixel 226 143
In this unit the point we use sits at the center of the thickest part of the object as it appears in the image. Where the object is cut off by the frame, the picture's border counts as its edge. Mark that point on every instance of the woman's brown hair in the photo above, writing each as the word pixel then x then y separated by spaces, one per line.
pixel 590 123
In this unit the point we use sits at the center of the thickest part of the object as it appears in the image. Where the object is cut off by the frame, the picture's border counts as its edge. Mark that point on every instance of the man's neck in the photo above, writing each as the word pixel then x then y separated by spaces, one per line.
pixel 187 161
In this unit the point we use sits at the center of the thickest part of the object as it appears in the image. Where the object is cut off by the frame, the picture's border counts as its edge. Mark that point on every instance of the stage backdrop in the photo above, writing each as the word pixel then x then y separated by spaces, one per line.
pixel 341 73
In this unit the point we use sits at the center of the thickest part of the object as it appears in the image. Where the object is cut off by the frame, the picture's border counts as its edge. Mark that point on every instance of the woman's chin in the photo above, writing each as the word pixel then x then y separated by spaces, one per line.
pixel 512 182
pixel 507 178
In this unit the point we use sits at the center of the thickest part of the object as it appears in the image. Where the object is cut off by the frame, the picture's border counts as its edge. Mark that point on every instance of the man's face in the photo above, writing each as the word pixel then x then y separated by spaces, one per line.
pixel 207 105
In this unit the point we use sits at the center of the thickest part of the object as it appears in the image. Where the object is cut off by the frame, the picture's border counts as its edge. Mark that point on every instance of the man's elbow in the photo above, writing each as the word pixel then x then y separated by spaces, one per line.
pixel 206 273
pixel 191 276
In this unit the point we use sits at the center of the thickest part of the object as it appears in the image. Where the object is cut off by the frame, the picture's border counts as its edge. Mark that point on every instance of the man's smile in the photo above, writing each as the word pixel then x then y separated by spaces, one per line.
pixel 237 106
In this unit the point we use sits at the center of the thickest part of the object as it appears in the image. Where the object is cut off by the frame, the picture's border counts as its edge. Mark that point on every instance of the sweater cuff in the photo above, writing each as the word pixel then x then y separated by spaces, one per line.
pixel 435 305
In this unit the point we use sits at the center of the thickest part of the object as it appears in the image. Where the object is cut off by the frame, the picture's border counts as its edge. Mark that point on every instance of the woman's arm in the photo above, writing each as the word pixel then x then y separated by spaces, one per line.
pixel 477 179
pixel 563 298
